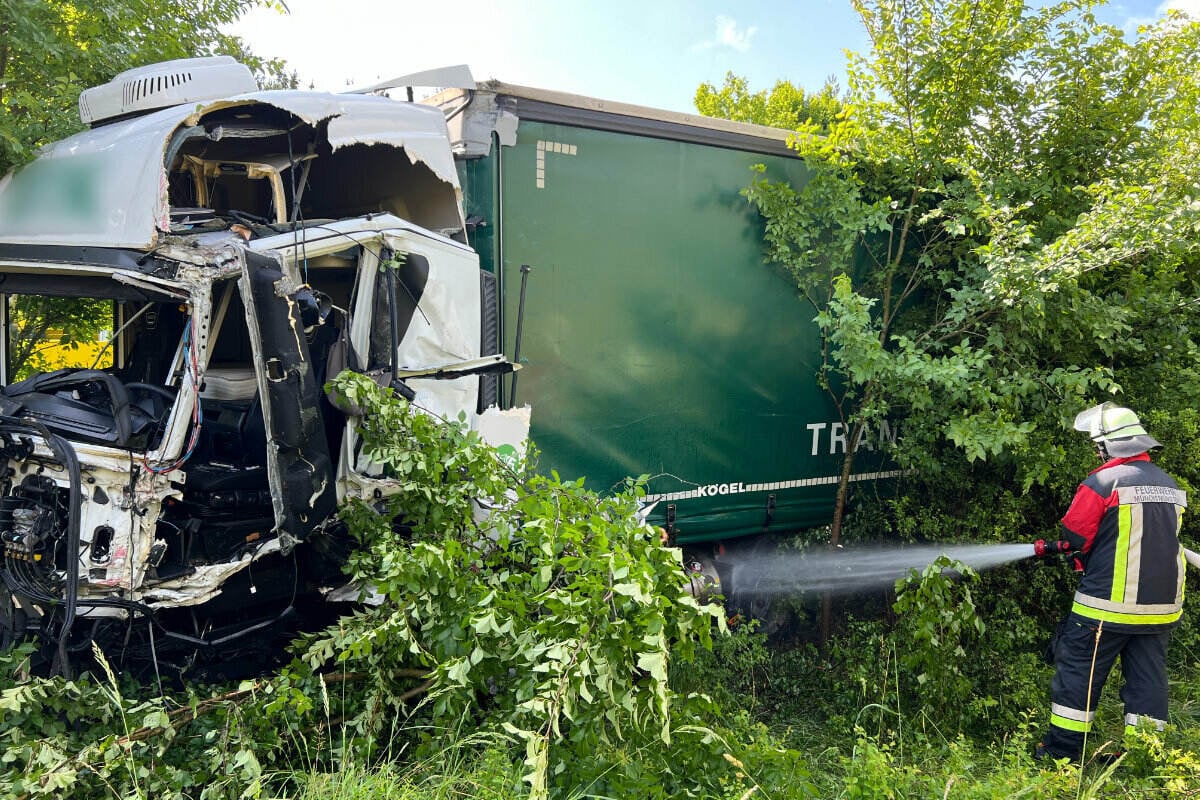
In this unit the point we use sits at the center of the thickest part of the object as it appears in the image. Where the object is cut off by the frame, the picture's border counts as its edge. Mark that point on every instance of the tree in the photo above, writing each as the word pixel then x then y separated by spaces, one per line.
pixel 784 106
pixel 46 333
pixel 997 225
pixel 51 49
pixel 1000 230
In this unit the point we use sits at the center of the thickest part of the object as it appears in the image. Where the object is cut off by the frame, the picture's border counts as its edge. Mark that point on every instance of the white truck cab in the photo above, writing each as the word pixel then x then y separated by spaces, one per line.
pixel 202 260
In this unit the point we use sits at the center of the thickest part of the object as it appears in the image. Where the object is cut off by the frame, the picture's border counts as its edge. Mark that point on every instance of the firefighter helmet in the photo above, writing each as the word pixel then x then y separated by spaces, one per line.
pixel 1116 429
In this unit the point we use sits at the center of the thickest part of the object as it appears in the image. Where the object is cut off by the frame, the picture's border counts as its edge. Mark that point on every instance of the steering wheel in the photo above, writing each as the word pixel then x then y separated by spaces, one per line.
pixel 161 397
pixel 90 380
pixel 153 388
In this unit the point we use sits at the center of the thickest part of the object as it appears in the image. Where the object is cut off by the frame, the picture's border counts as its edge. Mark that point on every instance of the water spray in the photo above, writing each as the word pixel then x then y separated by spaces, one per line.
pixel 844 571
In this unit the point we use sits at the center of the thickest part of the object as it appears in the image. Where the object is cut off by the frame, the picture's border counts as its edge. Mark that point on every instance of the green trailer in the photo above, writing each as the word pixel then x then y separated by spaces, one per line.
pixel 654 339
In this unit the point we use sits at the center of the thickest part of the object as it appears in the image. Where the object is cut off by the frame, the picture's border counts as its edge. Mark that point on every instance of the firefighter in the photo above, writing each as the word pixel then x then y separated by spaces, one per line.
pixel 1124 522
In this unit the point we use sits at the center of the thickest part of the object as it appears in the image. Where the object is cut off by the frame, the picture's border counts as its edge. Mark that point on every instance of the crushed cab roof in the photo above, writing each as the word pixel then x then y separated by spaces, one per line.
pixel 107 187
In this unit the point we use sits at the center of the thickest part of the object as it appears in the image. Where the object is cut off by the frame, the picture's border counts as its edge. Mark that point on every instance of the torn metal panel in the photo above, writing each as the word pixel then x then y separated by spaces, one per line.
pixel 507 430
pixel 446 329
pixel 356 593
pixel 453 75
pixel 472 117
pixel 359 119
pixel 298 464
pixel 109 187
pixel 205 582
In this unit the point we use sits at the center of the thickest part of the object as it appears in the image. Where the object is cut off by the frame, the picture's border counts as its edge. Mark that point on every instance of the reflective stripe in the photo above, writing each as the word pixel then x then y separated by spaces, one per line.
pixel 1066 712
pixel 1132 720
pixel 1125 523
pixel 1130 495
pixel 1136 609
pixel 1070 724
pixel 1133 573
pixel 1129 619
pixel 1183 564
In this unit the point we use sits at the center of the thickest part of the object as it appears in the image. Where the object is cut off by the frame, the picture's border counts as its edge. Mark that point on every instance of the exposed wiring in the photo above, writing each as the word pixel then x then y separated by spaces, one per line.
pixel 154 657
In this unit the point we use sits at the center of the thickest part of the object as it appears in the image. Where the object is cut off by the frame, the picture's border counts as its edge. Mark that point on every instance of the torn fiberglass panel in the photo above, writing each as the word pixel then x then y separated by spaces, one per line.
pixel 115 185
pixel 299 468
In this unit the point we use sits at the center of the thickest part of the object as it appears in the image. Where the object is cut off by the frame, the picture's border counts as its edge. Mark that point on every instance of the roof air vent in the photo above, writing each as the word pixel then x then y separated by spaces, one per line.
pixel 170 83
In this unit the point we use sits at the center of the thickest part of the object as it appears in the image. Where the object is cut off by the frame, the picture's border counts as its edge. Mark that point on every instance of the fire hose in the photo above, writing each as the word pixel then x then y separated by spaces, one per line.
pixel 1045 549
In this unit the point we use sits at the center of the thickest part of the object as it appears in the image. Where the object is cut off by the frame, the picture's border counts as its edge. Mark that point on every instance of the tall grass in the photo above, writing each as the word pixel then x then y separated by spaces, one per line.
pixel 388 781
pixel 476 766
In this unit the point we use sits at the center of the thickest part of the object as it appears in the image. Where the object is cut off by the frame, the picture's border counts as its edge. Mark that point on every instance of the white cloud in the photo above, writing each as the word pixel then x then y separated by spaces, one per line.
pixel 1188 7
pixel 729 35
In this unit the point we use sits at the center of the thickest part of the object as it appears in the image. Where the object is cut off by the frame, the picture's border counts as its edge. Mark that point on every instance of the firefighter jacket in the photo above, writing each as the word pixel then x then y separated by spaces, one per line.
pixel 1125 520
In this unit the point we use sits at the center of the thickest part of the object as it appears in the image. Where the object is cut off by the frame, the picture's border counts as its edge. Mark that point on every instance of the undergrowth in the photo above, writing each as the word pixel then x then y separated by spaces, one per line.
pixel 549 650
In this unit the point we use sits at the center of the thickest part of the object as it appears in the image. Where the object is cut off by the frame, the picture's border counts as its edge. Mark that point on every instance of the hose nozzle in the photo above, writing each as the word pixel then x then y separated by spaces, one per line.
pixel 1042 548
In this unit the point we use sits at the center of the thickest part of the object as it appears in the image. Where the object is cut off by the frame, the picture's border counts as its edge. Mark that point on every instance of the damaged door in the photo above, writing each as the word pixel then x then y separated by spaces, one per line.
pixel 299 469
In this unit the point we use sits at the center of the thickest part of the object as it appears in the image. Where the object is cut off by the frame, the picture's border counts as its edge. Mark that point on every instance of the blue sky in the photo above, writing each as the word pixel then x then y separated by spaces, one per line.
pixel 653 52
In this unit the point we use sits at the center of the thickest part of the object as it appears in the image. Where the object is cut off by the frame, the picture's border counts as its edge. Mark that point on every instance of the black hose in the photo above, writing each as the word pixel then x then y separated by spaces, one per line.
pixel 66 456
pixel 63 450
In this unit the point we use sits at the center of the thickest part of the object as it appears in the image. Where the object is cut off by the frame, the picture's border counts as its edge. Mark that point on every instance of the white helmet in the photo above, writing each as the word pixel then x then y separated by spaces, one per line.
pixel 1116 429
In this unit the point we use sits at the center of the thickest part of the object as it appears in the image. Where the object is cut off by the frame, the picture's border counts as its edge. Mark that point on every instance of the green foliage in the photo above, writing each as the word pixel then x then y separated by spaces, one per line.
pixel 1000 229
pixel 459 771
pixel 532 613
pixel 885 769
pixel 734 673
pixel 50 49
pixel 76 321
pixel 784 106
pixel 552 616
pixel 938 623
pixel 1164 765
pixel 102 737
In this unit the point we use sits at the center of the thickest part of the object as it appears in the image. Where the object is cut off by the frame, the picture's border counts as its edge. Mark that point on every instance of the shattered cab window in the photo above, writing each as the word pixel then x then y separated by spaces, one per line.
pixel 51 333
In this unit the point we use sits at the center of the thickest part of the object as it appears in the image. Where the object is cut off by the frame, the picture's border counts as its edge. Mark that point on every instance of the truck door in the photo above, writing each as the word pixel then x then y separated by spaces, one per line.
pixel 299 470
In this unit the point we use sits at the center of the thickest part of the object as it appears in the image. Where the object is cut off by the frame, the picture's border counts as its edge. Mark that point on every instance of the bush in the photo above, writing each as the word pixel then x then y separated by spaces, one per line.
pixel 531 607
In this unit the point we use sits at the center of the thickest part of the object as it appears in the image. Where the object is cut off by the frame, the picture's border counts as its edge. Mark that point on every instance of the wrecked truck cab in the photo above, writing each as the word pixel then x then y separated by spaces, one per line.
pixel 177 287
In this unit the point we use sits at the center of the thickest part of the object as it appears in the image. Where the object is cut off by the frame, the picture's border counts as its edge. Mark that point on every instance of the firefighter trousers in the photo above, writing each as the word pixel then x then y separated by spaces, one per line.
pixel 1073 702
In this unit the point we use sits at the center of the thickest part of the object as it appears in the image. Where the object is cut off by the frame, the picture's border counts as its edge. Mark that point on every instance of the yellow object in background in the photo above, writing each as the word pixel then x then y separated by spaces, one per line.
pixel 56 355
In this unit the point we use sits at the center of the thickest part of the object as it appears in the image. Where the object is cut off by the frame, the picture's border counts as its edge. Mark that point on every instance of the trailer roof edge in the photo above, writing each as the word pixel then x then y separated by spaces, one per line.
pixel 545 105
